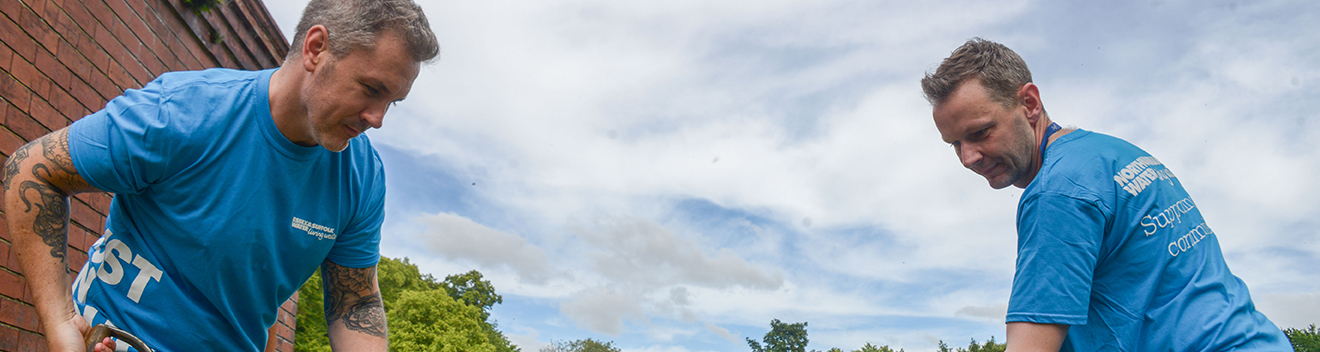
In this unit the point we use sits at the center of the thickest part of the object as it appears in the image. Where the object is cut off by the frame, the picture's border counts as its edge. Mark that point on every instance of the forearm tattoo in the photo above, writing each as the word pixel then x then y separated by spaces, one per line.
pixel 52 214
pixel 350 296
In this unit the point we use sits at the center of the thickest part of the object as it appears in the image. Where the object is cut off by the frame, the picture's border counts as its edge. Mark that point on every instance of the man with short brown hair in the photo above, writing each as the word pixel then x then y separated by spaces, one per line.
pixel 1113 255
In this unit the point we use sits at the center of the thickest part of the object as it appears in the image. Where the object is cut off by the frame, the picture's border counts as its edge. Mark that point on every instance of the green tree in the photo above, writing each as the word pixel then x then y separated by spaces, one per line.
pixel 422 312
pixel 988 346
pixel 471 289
pixel 587 345
pixel 782 337
pixel 872 348
pixel 1304 340
pixel 433 321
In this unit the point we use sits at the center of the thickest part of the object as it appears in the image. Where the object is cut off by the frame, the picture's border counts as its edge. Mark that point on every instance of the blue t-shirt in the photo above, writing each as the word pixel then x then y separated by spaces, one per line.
pixel 1111 244
pixel 217 217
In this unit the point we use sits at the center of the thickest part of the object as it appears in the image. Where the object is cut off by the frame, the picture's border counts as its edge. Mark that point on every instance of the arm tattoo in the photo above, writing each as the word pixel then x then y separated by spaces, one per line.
pixel 55 148
pixel 350 295
pixel 52 214
pixel 15 161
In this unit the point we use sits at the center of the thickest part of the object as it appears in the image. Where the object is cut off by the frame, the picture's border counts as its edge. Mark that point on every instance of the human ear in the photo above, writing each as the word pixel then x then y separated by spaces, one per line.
pixel 1029 97
pixel 315 48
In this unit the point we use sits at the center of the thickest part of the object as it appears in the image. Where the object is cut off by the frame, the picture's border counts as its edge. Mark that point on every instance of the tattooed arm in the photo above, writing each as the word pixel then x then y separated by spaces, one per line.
pixel 39 178
pixel 354 312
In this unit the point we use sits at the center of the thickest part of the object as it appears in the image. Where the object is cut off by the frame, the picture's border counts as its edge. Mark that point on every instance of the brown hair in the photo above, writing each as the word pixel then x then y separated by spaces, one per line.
pixel 1001 71
pixel 356 24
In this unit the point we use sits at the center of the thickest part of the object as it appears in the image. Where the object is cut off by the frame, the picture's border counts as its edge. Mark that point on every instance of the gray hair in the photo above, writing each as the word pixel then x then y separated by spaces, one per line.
pixel 1001 71
pixel 356 24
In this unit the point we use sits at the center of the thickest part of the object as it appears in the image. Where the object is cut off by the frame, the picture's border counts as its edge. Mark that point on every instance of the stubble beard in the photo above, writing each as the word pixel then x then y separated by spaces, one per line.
pixel 1018 159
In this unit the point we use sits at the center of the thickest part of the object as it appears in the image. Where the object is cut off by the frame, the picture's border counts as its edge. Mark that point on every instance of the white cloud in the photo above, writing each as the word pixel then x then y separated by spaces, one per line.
pixel 1289 310
pixel 634 251
pixel 603 310
pixel 459 238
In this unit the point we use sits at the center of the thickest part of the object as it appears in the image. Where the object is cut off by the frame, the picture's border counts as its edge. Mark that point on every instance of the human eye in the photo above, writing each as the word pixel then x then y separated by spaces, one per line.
pixel 979 134
pixel 371 91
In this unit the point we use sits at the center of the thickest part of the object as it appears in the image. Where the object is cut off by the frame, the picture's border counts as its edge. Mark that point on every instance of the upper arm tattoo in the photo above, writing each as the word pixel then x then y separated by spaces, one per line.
pixel 52 178
pixel 351 295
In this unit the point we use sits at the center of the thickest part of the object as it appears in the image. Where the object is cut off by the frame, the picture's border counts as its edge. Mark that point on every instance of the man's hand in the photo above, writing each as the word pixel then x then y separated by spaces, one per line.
pixel 39 177
pixel 68 336
pixel 354 312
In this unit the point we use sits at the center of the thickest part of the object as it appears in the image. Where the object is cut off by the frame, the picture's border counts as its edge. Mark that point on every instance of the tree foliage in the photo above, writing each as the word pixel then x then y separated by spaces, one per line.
pixel 587 345
pixel 872 348
pixel 988 346
pixel 783 337
pixel 424 314
pixel 1304 340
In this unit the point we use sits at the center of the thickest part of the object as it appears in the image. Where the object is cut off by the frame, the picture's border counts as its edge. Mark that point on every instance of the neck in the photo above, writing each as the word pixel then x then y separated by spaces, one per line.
pixel 286 101
pixel 1043 139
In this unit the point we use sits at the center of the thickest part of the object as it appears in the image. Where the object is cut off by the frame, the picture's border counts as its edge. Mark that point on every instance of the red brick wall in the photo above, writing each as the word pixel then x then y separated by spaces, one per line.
pixel 63 59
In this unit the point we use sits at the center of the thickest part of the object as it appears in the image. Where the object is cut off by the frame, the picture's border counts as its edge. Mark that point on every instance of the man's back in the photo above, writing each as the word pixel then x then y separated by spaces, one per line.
pixel 1111 244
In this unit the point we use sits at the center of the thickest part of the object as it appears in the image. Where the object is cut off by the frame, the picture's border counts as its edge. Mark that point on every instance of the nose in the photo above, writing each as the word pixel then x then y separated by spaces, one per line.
pixel 969 155
pixel 375 116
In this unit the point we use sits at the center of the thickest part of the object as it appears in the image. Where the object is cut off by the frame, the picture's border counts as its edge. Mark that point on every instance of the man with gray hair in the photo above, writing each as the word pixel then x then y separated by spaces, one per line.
pixel 1113 255
pixel 231 189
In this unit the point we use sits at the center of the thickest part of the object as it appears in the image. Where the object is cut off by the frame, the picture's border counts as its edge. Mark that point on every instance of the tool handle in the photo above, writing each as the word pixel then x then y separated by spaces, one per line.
pixel 102 331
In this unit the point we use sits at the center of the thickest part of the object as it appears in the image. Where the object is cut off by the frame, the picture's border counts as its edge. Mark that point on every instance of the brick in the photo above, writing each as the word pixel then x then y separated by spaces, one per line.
pixel 52 68
pixel 120 77
pixel 8 334
pixel 6 55
pixel 38 29
pixel 77 11
pixel 13 35
pixel 87 97
pixel 9 142
pixel 104 87
pixel 84 215
pixel 31 341
pixel 25 126
pixel 11 284
pixel 68 107
pixel 74 60
pixel 4 231
pixel 45 114
pixel 4 251
pixel 12 90
pixel 7 7
pixel 58 21
pixel 18 314
pixel 36 5
pixel 30 77
pixel 76 259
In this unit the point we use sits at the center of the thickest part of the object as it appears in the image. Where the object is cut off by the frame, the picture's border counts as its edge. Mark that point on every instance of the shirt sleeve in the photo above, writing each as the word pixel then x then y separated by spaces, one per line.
pixel 127 146
pixel 1059 239
pixel 359 245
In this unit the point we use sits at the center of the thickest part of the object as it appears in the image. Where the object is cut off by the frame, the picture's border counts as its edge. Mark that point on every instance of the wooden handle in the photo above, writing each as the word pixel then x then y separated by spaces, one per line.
pixel 102 331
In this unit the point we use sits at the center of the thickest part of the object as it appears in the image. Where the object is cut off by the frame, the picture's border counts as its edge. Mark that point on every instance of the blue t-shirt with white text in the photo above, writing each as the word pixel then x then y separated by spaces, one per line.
pixel 217 218
pixel 1111 244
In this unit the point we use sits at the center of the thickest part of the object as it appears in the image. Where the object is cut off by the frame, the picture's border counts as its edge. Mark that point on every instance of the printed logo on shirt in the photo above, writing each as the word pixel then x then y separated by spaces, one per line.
pixel 1141 173
pixel 321 232
pixel 109 261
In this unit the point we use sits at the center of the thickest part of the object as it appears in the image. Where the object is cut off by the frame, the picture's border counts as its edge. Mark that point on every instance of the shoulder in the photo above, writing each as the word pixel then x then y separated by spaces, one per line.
pixel 1082 165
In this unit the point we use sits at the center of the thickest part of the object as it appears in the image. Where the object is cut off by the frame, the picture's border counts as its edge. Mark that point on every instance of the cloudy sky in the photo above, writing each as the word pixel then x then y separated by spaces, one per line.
pixel 672 175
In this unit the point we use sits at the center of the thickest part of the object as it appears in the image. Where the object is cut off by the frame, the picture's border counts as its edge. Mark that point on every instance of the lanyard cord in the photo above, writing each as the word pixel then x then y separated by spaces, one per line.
pixel 1054 127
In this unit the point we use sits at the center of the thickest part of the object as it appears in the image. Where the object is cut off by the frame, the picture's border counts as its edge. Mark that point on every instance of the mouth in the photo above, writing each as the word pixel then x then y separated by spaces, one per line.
pixel 352 132
pixel 987 171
